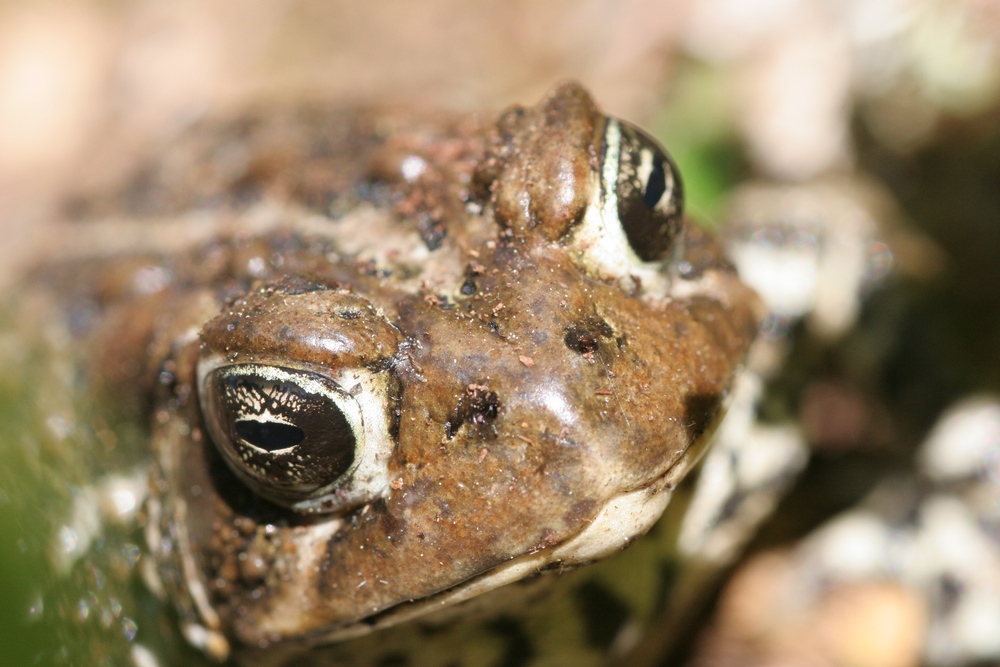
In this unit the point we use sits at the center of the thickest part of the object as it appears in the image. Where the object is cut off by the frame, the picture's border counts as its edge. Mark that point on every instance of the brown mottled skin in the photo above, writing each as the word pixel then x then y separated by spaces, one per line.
pixel 524 393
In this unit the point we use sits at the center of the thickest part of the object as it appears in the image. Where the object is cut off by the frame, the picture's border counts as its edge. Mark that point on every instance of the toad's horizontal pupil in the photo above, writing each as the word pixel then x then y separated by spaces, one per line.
pixel 271 436
pixel 655 186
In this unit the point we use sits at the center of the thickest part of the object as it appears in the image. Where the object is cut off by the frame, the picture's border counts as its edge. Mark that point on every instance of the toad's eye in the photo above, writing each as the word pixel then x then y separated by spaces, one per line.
pixel 633 227
pixel 647 190
pixel 294 437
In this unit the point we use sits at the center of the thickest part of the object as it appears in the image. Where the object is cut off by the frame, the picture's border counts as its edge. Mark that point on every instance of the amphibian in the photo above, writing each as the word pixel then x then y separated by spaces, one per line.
pixel 389 368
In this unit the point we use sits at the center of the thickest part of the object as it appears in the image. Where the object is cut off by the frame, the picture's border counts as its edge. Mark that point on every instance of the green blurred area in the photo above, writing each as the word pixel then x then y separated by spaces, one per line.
pixel 23 571
pixel 88 609
pixel 31 499
pixel 696 124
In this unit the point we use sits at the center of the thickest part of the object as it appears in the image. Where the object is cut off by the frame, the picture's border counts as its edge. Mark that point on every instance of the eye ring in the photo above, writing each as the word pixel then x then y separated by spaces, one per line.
pixel 297 437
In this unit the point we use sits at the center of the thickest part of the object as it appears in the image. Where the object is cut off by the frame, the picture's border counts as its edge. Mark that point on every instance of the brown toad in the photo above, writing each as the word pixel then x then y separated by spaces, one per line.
pixel 389 366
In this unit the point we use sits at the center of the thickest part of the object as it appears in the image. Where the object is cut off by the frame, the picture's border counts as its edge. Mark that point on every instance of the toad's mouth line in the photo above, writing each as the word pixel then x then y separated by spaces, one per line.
pixel 622 520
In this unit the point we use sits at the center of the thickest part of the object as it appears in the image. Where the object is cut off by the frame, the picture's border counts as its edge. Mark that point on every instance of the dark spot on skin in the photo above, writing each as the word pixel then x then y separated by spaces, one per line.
pixel 603 612
pixel 391 525
pixel 518 650
pixel 394 398
pixel 585 337
pixel 468 288
pixel 432 232
pixel 700 412
pixel 478 405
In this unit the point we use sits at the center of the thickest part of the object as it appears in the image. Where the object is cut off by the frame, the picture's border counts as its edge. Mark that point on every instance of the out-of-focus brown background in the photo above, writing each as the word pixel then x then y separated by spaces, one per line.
pixel 82 81
pixel 72 73
pixel 82 84
pixel 841 102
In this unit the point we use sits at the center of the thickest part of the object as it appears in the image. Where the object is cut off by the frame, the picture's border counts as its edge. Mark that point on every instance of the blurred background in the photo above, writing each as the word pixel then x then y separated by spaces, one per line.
pixel 848 149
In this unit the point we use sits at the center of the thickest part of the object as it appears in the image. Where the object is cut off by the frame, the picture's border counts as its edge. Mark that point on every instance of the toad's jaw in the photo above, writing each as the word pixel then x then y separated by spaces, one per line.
pixel 623 519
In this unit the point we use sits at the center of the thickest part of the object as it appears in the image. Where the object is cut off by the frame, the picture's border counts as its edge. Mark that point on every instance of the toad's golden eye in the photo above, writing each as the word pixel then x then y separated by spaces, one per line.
pixel 647 189
pixel 632 230
pixel 308 423
pixel 290 435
